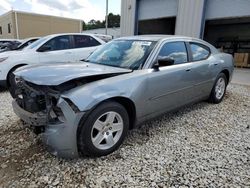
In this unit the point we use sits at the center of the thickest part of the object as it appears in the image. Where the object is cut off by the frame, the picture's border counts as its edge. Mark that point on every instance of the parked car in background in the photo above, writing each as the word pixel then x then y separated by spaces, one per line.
pixel 105 38
pixel 87 108
pixel 17 45
pixel 2 41
pixel 10 45
pixel 26 42
pixel 50 49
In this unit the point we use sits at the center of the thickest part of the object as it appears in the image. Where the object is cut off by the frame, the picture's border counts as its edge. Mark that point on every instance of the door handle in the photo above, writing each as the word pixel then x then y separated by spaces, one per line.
pixel 188 70
pixel 215 64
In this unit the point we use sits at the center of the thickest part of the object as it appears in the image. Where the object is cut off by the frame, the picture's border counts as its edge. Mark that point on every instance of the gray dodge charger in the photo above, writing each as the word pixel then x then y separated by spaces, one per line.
pixel 87 107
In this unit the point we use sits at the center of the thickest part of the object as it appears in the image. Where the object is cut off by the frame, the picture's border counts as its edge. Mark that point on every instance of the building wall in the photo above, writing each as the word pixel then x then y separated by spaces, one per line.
pixel 4 21
pixel 190 18
pixel 128 17
pixel 24 25
pixel 216 9
pixel 191 14
pixel 148 9
pixel 32 25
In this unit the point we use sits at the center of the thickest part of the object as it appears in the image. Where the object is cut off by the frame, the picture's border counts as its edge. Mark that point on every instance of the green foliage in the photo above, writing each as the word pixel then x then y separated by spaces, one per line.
pixel 113 21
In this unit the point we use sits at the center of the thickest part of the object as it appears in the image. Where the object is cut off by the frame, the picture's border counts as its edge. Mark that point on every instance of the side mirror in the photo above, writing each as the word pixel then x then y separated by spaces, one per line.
pixel 44 48
pixel 163 62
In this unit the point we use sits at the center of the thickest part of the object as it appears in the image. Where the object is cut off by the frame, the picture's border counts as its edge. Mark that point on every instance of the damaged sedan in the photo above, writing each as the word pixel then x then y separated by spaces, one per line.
pixel 87 108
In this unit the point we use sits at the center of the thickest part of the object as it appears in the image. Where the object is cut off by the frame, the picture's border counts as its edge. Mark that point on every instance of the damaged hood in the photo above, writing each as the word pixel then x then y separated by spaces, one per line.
pixel 56 74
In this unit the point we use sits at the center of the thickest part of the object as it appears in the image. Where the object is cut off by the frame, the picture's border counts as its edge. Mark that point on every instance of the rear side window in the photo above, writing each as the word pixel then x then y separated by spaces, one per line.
pixel 59 43
pixel 199 51
pixel 174 50
pixel 82 41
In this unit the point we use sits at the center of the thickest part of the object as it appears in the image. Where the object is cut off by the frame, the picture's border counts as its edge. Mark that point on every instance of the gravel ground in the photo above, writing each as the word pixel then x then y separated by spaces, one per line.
pixel 203 145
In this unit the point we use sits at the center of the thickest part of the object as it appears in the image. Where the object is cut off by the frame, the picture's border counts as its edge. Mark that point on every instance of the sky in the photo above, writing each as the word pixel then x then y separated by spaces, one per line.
pixel 79 9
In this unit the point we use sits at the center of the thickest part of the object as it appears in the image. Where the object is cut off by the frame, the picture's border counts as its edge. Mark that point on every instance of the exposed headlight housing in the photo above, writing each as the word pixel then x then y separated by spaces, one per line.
pixel 3 59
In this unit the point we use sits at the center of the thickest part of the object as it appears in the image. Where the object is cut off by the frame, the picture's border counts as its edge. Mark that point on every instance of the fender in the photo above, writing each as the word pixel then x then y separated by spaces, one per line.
pixel 88 96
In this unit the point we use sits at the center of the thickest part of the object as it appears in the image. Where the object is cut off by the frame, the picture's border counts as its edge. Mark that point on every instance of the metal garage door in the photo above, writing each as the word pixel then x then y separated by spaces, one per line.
pixel 157 17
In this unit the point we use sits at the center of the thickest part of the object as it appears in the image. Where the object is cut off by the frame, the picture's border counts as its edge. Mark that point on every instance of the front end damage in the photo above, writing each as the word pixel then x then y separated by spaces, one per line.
pixel 58 118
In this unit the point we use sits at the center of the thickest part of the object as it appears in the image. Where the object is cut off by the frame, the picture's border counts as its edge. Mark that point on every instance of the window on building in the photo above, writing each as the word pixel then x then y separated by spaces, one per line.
pixel 174 50
pixel 82 41
pixel 9 28
pixel 1 31
pixel 199 52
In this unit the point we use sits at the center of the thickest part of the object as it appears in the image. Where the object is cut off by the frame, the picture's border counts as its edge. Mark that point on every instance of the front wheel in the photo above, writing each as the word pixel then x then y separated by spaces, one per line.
pixel 104 130
pixel 219 89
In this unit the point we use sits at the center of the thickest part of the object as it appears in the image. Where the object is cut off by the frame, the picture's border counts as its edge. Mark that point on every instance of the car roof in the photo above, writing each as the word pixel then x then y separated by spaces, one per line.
pixel 84 34
pixel 156 37
pixel 31 38
pixel 61 34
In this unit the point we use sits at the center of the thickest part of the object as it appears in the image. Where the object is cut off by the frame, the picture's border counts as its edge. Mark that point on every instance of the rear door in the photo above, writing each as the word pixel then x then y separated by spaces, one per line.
pixel 201 68
pixel 84 45
pixel 170 86
pixel 58 49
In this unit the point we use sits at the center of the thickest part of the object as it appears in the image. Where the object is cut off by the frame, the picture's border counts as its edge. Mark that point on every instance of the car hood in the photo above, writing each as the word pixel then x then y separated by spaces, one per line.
pixel 56 74
pixel 13 53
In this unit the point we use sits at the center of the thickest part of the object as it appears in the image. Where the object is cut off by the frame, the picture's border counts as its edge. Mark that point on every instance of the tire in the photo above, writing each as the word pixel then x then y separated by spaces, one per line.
pixel 12 83
pixel 219 89
pixel 104 130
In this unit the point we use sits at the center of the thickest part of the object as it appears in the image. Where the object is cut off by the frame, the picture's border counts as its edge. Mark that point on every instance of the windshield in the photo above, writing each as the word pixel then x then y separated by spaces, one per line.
pixel 130 54
pixel 25 44
pixel 36 43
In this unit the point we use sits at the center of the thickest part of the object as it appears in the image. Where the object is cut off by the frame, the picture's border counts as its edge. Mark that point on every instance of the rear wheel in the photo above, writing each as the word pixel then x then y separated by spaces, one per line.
pixel 104 130
pixel 219 89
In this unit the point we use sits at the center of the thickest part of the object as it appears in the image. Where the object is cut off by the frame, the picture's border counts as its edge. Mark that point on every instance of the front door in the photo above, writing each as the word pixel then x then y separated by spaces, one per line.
pixel 58 50
pixel 170 86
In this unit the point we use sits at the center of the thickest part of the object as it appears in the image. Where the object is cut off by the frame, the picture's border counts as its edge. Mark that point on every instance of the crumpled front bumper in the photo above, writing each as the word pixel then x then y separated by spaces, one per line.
pixel 60 138
pixel 34 119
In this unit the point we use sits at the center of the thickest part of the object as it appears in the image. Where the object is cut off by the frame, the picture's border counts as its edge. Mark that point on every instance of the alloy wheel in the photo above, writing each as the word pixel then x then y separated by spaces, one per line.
pixel 220 88
pixel 107 130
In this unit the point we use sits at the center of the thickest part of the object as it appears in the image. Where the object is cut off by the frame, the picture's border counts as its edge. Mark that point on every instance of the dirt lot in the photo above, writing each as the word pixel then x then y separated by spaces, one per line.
pixel 203 145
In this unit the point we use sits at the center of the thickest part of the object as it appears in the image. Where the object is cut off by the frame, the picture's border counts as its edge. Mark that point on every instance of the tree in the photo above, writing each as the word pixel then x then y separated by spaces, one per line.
pixel 83 25
pixel 113 21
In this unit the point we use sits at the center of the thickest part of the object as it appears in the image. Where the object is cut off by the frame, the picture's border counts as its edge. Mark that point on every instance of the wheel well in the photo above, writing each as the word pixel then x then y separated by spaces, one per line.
pixel 226 72
pixel 129 106
pixel 11 70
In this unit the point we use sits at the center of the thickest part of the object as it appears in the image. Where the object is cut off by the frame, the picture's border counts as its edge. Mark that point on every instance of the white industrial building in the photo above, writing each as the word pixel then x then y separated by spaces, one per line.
pixel 114 32
pixel 224 23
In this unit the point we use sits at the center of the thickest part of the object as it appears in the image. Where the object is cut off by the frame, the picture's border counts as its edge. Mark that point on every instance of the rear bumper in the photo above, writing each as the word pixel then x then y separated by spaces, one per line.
pixel 61 138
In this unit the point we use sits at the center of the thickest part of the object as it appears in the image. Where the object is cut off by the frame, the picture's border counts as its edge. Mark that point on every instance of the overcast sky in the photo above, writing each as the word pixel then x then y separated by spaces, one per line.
pixel 80 9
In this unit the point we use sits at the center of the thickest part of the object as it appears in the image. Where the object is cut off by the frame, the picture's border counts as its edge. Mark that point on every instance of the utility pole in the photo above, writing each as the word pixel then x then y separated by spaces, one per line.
pixel 107 10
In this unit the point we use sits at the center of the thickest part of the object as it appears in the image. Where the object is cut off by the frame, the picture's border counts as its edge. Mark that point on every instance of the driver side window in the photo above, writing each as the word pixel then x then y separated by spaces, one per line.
pixel 58 43
pixel 174 50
